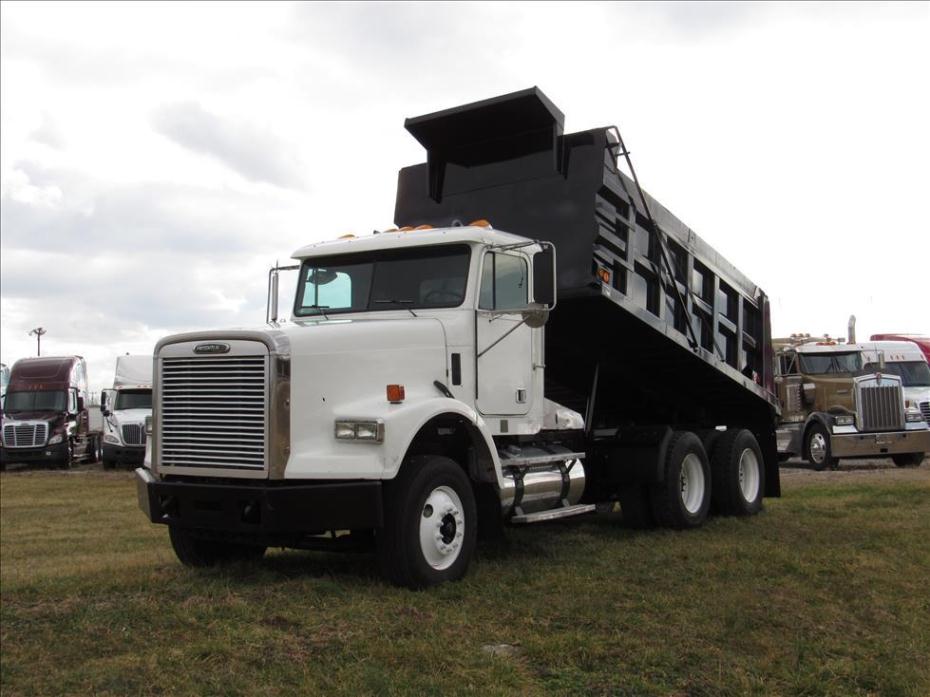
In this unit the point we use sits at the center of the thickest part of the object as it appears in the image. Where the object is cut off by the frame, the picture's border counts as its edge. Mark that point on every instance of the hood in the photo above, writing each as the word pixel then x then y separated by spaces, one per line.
pixel 128 416
pixel 49 417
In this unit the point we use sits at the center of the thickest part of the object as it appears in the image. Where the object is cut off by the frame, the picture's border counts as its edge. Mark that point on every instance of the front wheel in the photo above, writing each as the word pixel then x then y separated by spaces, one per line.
pixel 908 459
pixel 430 523
pixel 817 447
pixel 196 552
pixel 682 499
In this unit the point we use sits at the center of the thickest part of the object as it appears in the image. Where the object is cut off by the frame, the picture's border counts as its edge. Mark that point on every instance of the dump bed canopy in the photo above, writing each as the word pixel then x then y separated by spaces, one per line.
pixel 507 160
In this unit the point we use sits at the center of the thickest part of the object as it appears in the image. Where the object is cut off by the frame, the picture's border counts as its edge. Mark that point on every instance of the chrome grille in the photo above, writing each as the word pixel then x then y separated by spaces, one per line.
pixel 213 412
pixel 133 434
pixel 881 406
pixel 925 410
pixel 25 435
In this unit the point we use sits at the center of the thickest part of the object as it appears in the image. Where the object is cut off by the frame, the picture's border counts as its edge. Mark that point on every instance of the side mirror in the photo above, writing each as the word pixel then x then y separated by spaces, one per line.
pixel 535 315
pixel 544 277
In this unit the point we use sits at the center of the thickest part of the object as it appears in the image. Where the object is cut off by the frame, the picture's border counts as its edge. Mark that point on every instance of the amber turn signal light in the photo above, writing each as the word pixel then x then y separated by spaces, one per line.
pixel 395 394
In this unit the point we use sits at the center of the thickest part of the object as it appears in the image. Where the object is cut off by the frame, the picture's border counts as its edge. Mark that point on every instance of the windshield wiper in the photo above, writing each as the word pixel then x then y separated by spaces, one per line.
pixel 318 307
pixel 397 302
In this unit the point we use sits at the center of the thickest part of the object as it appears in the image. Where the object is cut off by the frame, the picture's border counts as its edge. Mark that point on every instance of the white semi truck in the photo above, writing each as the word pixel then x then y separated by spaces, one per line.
pixel 441 380
pixel 125 409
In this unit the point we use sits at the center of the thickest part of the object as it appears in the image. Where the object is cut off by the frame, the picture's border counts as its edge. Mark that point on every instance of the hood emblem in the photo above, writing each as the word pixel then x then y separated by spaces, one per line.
pixel 211 348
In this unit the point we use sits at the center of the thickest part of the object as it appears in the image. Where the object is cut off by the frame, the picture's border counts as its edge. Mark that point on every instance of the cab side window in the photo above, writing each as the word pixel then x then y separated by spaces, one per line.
pixel 504 282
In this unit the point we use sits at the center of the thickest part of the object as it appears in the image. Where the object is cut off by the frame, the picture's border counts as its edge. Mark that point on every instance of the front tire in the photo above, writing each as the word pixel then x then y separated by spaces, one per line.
pixel 738 473
pixel 682 499
pixel 817 447
pixel 195 552
pixel 430 523
pixel 908 459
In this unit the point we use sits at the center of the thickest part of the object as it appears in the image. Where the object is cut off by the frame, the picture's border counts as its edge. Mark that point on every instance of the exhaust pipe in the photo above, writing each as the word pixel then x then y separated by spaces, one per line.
pixel 851 330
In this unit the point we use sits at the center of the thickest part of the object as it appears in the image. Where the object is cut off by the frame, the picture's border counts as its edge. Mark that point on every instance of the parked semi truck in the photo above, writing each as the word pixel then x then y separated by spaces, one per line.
pixel 839 401
pixel 45 413
pixel 440 380
pixel 124 409
pixel 906 360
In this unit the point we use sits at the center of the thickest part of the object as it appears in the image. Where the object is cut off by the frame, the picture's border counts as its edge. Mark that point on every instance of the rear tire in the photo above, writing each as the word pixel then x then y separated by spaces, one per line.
pixel 195 552
pixel 430 523
pixel 817 447
pixel 738 473
pixel 908 459
pixel 682 499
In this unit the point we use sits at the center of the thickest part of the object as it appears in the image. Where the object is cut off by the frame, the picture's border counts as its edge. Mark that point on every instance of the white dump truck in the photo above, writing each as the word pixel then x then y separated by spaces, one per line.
pixel 439 381
pixel 125 409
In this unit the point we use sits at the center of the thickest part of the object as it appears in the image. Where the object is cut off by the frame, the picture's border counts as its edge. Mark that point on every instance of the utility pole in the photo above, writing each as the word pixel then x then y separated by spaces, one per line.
pixel 38 331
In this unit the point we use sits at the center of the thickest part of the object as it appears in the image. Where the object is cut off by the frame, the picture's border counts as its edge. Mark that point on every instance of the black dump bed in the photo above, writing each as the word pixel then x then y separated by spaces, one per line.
pixel 506 160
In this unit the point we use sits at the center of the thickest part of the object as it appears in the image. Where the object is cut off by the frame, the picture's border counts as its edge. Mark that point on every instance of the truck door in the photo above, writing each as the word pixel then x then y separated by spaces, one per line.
pixel 504 346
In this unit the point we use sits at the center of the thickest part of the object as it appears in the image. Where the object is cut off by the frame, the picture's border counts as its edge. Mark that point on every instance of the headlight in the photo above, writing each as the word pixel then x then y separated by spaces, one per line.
pixel 846 420
pixel 372 431
pixel 56 439
pixel 914 415
pixel 110 438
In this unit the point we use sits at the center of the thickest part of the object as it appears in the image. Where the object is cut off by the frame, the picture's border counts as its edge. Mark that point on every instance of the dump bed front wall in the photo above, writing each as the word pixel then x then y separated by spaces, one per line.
pixel 593 216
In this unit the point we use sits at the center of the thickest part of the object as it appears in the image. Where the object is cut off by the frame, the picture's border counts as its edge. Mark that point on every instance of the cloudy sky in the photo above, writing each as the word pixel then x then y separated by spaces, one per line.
pixel 158 158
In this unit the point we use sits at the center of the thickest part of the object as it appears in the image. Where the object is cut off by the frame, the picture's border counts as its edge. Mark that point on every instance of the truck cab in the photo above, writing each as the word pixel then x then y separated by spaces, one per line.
pixel 125 409
pixel 835 406
pixel 45 419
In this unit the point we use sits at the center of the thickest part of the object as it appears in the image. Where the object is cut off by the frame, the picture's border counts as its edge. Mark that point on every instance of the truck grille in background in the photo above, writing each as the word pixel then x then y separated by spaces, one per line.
pixel 25 435
pixel 213 412
pixel 882 408
pixel 925 410
pixel 133 434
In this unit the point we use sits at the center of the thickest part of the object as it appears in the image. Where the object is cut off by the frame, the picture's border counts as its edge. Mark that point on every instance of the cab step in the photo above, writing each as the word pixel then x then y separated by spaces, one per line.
pixel 553 514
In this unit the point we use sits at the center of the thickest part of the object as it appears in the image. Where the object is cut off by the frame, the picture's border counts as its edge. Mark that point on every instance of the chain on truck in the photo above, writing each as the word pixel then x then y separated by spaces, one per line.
pixel 439 381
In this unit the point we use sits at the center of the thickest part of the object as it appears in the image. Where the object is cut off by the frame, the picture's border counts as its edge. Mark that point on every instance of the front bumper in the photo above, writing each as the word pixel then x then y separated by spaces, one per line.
pixel 279 507
pixel 880 444
pixel 57 453
pixel 125 454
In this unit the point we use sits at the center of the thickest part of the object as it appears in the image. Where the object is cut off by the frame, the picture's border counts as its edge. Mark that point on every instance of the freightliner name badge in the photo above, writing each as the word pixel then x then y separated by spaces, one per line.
pixel 211 348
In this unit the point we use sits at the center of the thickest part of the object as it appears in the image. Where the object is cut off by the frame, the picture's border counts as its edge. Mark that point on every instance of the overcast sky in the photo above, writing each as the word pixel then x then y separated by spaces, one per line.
pixel 158 158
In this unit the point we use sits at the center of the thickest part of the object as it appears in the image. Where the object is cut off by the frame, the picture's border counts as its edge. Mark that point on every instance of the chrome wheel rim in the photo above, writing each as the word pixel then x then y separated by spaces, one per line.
pixel 692 483
pixel 749 475
pixel 818 448
pixel 442 528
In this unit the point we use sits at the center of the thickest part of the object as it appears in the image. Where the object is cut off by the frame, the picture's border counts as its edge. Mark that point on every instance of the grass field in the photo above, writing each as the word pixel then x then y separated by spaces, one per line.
pixel 827 592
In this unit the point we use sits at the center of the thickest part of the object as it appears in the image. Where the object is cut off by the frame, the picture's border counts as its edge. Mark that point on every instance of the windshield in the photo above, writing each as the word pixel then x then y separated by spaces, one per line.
pixel 913 373
pixel 424 277
pixel 35 401
pixel 824 363
pixel 133 399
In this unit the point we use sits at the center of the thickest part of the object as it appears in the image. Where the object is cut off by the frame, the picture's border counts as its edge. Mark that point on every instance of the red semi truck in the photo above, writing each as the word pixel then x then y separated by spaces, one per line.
pixel 45 414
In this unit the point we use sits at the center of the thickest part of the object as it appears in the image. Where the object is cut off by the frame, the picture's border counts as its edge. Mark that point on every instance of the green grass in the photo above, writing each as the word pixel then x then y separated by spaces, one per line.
pixel 827 592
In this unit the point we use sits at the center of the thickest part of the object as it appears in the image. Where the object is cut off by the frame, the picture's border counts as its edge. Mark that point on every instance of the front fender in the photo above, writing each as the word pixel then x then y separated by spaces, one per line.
pixel 327 458
pixel 422 413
